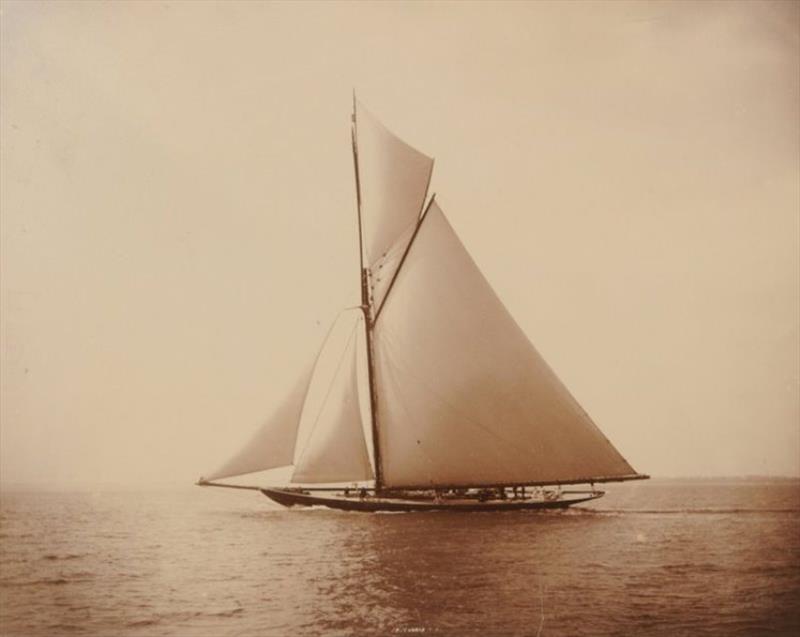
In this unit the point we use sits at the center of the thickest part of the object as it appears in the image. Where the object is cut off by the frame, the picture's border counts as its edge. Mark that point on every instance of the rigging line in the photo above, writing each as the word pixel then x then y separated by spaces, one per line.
pixel 403 259
pixel 408 369
pixel 328 392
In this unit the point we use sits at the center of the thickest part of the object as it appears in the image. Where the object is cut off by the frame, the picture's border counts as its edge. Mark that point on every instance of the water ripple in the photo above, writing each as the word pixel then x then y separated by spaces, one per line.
pixel 638 562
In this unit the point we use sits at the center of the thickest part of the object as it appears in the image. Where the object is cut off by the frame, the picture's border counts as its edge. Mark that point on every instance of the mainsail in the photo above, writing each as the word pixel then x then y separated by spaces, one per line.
pixel 464 398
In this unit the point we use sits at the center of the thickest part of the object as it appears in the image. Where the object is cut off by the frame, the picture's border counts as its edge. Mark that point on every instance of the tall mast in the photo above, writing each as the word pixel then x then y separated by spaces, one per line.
pixel 366 307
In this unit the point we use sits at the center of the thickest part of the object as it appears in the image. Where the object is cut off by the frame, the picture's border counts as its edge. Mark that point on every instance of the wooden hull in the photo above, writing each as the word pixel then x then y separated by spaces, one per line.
pixel 373 503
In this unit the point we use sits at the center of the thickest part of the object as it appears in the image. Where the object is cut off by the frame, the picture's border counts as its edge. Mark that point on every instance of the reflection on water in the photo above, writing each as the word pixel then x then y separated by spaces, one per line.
pixel 659 558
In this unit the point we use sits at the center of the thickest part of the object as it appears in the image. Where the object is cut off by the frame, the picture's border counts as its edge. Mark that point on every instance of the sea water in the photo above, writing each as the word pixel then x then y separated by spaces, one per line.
pixel 664 557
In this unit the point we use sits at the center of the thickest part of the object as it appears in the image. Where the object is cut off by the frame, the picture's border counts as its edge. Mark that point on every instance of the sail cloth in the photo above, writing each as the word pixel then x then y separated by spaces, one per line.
pixel 336 450
pixel 463 396
pixel 393 183
pixel 272 445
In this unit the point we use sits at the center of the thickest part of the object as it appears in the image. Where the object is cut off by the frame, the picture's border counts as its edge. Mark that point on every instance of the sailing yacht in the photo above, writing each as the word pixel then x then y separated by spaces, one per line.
pixel 464 414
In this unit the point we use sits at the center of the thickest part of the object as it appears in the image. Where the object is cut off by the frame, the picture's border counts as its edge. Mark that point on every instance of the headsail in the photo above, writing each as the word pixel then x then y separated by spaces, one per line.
pixel 273 444
pixel 336 450
pixel 394 180
pixel 464 398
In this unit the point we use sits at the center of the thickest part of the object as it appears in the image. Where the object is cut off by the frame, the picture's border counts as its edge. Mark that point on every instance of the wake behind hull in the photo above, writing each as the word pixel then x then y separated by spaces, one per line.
pixel 373 503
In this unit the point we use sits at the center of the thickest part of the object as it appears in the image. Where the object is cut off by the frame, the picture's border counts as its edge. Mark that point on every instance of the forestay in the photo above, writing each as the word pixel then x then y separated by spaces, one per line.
pixel 463 396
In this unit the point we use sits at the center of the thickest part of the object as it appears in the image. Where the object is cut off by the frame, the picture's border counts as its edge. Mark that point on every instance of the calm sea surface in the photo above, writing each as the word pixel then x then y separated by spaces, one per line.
pixel 657 558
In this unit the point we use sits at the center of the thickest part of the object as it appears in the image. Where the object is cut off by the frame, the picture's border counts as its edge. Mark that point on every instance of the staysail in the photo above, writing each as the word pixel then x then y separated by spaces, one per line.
pixel 393 183
pixel 336 450
pixel 463 396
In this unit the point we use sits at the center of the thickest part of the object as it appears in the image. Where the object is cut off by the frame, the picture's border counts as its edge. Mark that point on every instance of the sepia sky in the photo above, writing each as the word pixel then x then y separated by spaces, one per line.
pixel 178 214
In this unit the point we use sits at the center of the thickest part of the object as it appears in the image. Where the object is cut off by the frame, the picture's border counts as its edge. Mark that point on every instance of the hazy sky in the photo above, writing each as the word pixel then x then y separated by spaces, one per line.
pixel 178 214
